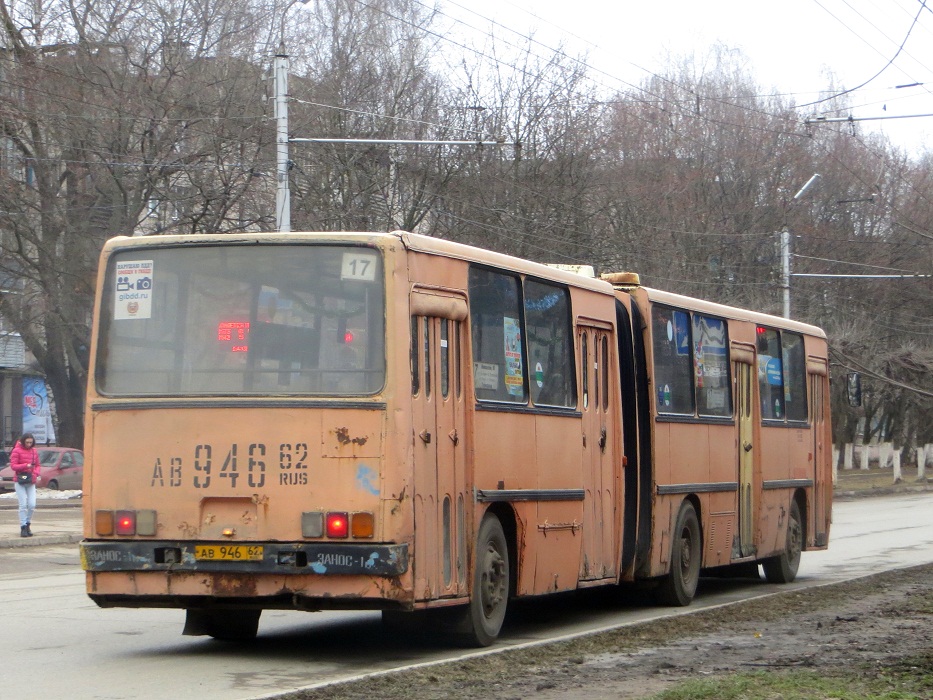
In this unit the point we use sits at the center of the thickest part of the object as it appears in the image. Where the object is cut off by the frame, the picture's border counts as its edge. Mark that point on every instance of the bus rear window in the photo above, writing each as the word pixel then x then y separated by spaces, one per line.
pixel 230 320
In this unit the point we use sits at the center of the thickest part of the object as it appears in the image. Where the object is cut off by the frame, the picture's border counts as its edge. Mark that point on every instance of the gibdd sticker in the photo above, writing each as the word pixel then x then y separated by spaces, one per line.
pixel 134 290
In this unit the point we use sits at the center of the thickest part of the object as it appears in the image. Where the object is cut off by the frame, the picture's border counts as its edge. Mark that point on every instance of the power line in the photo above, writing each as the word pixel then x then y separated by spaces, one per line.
pixel 883 69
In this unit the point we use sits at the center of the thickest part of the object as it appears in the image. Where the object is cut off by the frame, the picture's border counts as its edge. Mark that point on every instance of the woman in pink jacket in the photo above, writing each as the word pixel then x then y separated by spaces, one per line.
pixel 24 458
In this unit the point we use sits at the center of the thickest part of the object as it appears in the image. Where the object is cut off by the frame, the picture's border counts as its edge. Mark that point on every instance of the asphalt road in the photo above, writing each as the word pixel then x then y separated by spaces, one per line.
pixel 76 648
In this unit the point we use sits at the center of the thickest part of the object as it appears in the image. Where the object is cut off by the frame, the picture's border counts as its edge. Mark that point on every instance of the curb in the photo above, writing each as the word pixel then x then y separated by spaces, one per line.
pixel 11 504
pixel 39 541
pixel 902 488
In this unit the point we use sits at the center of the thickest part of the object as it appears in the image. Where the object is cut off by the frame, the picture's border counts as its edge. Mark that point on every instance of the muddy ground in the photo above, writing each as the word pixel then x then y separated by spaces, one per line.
pixel 867 627
pixel 882 624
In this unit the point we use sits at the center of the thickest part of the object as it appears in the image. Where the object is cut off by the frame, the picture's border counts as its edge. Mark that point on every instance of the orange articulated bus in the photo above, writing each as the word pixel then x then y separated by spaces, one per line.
pixel 394 422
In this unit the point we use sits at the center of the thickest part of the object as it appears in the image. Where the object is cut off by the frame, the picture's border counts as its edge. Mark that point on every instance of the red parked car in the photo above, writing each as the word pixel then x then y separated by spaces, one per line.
pixel 60 468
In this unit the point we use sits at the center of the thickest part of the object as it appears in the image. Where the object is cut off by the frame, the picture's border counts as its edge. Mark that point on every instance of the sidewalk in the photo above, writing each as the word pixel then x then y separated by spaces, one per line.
pixel 55 521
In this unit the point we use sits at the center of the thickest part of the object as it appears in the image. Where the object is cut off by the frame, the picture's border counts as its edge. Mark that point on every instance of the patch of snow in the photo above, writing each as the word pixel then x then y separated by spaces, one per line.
pixel 47 494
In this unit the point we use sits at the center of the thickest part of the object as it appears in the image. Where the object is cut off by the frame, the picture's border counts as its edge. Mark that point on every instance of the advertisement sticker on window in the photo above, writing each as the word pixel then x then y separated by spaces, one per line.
pixel 513 356
pixel 134 290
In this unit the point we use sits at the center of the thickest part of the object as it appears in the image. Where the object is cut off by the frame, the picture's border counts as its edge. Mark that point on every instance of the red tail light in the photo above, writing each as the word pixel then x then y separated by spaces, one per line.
pixel 126 522
pixel 338 525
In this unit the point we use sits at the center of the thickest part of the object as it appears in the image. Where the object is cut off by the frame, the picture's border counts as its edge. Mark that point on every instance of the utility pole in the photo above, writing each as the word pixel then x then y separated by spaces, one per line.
pixel 785 269
pixel 283 218
pixel 785 248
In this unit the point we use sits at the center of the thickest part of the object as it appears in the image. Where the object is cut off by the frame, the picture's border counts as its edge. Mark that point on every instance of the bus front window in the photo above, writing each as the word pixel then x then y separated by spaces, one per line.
pixel 231 320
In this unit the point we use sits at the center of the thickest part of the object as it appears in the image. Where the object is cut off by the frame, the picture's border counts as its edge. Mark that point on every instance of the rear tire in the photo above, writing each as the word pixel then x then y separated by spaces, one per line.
pixel 783 568
pixel 53 485
pixel 235 625
pixel 680 585
pixel 479 623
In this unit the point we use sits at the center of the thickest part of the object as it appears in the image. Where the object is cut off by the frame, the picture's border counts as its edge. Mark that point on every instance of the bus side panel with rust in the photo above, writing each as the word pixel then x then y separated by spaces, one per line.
pixel 513 449
pixel 696 459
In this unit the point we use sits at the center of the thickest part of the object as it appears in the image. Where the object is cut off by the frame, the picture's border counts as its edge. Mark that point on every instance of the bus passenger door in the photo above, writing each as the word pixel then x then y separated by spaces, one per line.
pixel 822 492
pixel 440 496
pixel 596 348
pixel 744 545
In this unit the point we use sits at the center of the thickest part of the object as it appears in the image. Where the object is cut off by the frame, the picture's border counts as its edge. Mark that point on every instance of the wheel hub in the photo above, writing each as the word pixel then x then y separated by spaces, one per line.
pixel 493 583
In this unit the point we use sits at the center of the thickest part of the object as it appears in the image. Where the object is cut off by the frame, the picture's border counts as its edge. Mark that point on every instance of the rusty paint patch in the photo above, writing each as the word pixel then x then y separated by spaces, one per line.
pixel 343 437
pixel 233 586
pixel 392 589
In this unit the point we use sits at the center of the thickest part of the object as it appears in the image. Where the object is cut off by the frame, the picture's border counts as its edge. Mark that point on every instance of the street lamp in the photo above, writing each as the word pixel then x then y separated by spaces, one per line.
pixel 785 246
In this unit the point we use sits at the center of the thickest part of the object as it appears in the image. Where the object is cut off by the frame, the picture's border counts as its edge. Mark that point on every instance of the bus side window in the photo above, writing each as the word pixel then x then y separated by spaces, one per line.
pixel 673 363
pixel 415 369
pixel 498 344
pixel 770 374
pixel 795 376
pixel 605 371
pixel 427 356
pixel 550 344
pixel 445 358
pixel 711 366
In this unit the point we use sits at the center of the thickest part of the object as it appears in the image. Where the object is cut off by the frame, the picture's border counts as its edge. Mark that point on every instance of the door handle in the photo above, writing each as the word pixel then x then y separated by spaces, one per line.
pixel 747 446
pixel 454 438
pixel 425 437
pixel 602 439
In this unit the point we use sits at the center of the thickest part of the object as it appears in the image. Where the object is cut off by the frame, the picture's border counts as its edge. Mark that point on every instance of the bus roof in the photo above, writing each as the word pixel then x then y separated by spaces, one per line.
pixel 461 251
pixel 450 249
pixel 730 312
pixel 241 238
pixel 411 241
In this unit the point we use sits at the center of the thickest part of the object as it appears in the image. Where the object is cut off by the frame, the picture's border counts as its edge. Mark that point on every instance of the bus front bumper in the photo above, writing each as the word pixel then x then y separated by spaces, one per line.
pixel 252 558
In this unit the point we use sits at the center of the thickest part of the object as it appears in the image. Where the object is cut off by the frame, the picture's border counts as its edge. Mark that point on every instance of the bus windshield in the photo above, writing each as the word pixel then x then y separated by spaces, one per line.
pixel 242 319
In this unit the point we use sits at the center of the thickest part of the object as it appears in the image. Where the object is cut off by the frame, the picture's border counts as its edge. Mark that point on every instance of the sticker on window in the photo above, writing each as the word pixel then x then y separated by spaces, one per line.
pixel 513 356
pixel 486 375
pixel 134 290
pixel 358 266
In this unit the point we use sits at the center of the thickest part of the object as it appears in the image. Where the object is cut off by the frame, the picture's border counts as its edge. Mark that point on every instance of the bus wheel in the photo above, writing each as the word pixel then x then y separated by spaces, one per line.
pixel 680 585
pixel 783 568
pixel 227 625
pixel 480 621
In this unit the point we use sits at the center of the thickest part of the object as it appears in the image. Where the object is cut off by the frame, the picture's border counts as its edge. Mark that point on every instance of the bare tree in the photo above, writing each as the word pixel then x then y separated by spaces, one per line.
pixel 117 118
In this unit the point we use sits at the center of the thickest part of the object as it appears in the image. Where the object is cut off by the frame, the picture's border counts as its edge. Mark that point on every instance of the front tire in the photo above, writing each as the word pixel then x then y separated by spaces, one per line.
pixel 479 622
pixel 783 568
pixel 680 585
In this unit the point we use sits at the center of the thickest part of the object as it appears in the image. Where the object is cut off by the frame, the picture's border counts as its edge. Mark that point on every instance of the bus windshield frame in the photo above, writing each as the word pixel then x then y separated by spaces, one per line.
pixel 234 320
